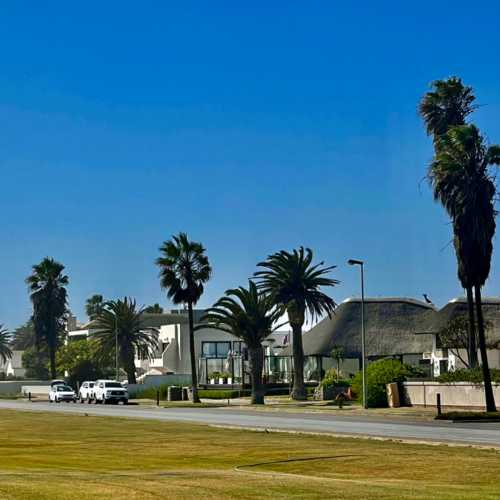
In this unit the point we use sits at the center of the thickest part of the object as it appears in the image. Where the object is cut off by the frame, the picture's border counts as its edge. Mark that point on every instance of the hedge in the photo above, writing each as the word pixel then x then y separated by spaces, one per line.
pixel 150 392
pixel 466 375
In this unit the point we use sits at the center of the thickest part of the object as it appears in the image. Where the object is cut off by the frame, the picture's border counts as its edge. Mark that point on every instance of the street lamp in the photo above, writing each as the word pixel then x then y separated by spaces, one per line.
pixel 116 345
pixel 360 263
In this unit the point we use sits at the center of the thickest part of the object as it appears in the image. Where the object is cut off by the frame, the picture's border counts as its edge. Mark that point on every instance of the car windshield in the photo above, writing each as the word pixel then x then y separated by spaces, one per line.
pixel 64 388
pixel 114 384
pixel 91 384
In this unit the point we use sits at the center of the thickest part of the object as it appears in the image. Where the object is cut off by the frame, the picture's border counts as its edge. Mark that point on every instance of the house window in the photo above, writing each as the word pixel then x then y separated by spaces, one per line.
pixel 215 349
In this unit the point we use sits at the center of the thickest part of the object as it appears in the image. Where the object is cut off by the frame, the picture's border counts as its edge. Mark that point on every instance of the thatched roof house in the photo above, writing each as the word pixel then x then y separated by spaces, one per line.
pixel 395 326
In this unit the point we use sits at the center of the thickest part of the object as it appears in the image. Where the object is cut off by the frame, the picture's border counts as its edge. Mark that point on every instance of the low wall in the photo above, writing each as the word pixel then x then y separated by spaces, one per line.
pixel 460 394
pixel 156 380
pixel 15 386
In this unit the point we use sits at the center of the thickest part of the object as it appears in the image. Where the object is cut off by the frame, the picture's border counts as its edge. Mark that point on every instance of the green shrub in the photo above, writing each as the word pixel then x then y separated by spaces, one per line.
pixel 466 375
pixel 150 392
pixel 378 374
pixel 222 393
pixel 330 380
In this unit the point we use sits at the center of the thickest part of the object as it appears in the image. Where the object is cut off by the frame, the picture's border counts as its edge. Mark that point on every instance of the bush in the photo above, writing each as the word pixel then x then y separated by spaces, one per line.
pixel 330 380
pixel 378 374
pixel 150 392
pixel 466 375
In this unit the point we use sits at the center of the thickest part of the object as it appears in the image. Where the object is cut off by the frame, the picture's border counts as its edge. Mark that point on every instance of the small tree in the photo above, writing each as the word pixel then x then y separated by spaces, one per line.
pixel 455 337
pixel 337 354
pixel 154 309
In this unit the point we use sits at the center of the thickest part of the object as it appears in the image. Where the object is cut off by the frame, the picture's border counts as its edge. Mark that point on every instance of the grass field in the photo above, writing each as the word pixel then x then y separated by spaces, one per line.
pixel 48 456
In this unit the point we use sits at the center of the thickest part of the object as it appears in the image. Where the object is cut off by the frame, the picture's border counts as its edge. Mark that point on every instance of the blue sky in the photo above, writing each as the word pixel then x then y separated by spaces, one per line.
pixel 253 128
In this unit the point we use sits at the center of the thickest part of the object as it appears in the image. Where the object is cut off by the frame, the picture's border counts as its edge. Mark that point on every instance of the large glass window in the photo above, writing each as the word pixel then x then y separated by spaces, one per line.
pixel 215 349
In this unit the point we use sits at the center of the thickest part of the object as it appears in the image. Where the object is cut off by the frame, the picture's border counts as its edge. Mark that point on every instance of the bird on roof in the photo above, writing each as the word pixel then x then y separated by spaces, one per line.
pixel 426 298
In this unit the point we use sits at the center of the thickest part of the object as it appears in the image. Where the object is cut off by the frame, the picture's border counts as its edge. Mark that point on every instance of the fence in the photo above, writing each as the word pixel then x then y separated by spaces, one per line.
pixel 15 386
pixel 157 380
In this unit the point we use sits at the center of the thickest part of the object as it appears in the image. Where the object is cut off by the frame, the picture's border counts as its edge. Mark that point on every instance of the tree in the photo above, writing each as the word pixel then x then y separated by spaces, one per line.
pixel 82 360
pixel 295 286
pixel 36 363
pixel 448 105
pixel 184 270
pixel 454 336
pixel 47 285
pixel 250 316
pixel 462 182
pixel 120 322
pixel 24 337
pixel 154 309
pixel 94 306
pixel 337 354
pixel 5 339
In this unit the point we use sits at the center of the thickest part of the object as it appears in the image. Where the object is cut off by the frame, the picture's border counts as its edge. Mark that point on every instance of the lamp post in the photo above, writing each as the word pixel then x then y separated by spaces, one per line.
pixel 360 263
pixel 116 346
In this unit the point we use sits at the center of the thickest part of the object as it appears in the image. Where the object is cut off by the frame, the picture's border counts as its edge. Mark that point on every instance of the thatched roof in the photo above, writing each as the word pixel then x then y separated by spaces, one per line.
pixel 394 325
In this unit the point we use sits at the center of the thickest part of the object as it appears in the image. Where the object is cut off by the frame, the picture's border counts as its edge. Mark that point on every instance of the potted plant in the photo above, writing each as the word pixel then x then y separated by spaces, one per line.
pixel 224 377
pixel 214 378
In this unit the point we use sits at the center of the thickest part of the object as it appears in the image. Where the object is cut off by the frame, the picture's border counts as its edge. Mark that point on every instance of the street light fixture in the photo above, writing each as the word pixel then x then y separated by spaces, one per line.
pixel 360 263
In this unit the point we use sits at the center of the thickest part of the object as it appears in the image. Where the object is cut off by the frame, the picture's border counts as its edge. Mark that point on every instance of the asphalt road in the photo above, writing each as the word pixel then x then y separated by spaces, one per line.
pixel 487 434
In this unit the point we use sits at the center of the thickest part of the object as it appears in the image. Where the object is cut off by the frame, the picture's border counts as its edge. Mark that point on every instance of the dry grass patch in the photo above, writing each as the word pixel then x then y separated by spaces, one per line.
pixel 50 456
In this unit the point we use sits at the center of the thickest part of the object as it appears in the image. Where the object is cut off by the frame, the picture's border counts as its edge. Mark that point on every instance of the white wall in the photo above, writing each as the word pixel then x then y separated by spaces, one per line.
pixel 460 394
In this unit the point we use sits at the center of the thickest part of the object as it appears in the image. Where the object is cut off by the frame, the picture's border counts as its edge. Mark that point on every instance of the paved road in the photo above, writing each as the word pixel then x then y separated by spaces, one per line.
pixel 470 433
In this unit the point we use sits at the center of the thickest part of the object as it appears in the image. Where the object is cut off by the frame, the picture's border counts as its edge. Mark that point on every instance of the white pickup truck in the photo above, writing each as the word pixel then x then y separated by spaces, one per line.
pixel 110 391
pixel 86 392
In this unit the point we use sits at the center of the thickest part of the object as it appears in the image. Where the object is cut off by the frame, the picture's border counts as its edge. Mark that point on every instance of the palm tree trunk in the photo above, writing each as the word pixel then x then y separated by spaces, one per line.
pixel 194 379
pixel 52 357
pixel 256 366
pixel 488 390
pixel 299 389
pixel 472 348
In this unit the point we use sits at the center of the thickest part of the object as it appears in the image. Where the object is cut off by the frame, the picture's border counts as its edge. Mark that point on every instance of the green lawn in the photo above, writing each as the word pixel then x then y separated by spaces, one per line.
pixel 47 456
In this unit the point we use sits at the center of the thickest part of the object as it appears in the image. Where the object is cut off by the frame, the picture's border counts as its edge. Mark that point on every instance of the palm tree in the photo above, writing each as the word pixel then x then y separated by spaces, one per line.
pixel 250 316
pixel 23 337
pixel 295 286
pixel 5 338
pixel 184 270
pixel 448 105
pixel 462 183
pixel 94 306
pixel 120 323
pixel 47 285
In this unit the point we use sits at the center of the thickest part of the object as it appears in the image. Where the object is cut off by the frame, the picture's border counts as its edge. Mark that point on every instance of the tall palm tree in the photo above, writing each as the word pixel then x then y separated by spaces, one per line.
pixel 448 105
pixel 250 316
pixel 120 323
pixel 94 306
pixel 47 286
pixel 294 284
pixel 462 183
pixel 5 350
pixel 184 270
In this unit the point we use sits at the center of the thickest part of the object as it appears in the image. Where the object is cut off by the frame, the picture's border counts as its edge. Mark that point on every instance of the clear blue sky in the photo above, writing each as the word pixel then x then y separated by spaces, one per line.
pixel 251 128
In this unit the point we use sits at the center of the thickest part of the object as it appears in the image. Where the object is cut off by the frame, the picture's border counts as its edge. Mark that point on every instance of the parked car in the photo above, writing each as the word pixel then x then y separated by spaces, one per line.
pixel 61 392
pixel 86 392
pixel 110 391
